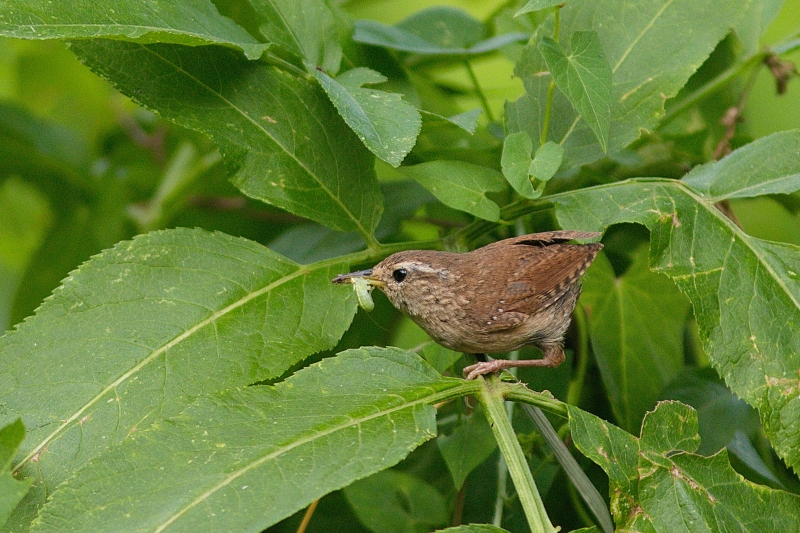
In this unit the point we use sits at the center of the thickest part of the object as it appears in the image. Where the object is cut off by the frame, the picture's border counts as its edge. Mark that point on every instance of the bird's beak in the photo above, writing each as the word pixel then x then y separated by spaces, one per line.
pixel 363 274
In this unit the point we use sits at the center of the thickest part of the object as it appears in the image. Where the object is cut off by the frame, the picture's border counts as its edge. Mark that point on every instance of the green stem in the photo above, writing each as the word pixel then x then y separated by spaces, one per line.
pixel 549 103
pixel 502 467
pixel 713 86
pixel 491 396
pixel 479 91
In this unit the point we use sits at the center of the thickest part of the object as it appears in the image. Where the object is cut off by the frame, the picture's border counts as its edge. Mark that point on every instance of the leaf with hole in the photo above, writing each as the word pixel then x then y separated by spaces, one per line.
pixel 656 474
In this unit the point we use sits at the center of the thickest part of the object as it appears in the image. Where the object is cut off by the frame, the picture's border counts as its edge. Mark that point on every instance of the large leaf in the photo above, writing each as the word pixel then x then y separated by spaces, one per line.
pixel 187 22
pixel 636 325
pixel 141 330
pixel 391 502
pixel 24 222
pixel 281 137
pixel 243 460
pixel 584 76
pixel 649 64
pixel 658 485
pixel 460 185
pixel 745 291
pixel 437 31
pixel 305 28
pixel 11 490
pixel 467 447
pixel 384 122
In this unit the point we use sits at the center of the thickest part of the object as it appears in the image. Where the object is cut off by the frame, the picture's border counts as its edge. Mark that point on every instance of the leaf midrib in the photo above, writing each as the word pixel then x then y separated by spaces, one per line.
pixel 361 229
pixel 431 398
pixel 619 63
pixel 301 270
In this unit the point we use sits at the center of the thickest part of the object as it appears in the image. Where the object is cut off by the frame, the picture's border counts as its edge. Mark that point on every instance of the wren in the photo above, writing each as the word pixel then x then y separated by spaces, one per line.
pixel 492 300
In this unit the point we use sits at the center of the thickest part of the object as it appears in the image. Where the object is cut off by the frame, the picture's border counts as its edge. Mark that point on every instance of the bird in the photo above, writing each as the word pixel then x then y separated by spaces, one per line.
pixel 495 299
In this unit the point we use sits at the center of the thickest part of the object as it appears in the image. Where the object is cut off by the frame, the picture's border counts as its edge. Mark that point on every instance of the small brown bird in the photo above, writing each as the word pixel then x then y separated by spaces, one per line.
pixel 492 300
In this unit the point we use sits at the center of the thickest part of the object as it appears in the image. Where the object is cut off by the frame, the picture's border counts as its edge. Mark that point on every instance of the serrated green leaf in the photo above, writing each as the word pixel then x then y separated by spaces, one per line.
pixel 439 31
pixel 738 285
pixel 538 5
pixel 515 162
pixel 243 460
pixel 186 22
pixel 142 329
pixel 384 122
pixel 584 76
pixel 649 65
pixel 11 490
pixel 460 185
pixel 280 136
pixel 768 166
pixel 636 323
pixel 658 485
pixel 547 161
pixel 390 502
pixel 467 447
pixel 306 28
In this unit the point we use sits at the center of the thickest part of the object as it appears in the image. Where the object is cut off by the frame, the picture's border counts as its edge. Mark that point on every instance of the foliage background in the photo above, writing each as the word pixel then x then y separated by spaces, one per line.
pixel 84 168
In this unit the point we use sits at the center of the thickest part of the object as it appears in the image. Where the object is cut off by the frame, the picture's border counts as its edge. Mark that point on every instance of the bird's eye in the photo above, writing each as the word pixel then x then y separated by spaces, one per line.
pixel 399 274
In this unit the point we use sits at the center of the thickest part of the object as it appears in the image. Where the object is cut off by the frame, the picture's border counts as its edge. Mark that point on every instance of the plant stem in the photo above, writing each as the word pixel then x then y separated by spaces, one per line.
pixel 502 467
pixel 479 91
pixel 307 517
pixel 549 103
pixel 491 396
pixel 713 86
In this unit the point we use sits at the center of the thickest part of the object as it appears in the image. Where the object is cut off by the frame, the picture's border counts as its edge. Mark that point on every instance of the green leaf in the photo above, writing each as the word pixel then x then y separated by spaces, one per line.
pixel 467 121
pixel 261 447
pixel 439 31
pixel 755 21
pixel 390 502
pixel 439 357
pixel 460 185
pixel 738 284
pixel 649 64
pixel 538 5
pixel 11 490
pixel 721 415
pixel 384 122
pixel 767 166
pixel 306 28
pixel 657 484
pixel 515 162
pixel 281 138
pixel 138 332
pixel 467 447
pixel 24 221
pixel 636 323
pixel 474 528
pixel 584 76
pixel 186 22
pixel 547 161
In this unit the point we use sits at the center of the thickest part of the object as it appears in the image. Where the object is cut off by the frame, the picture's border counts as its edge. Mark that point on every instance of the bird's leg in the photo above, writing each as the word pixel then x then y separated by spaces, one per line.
pixel 553 356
